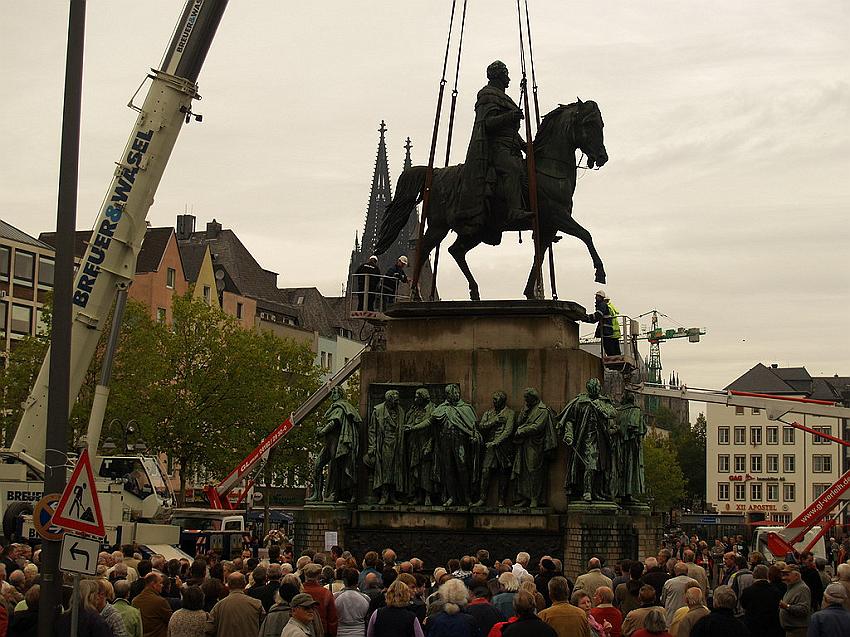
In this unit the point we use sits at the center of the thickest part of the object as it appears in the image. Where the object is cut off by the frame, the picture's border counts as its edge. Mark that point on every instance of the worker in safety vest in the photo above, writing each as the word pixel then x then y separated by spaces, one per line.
pixel 608 327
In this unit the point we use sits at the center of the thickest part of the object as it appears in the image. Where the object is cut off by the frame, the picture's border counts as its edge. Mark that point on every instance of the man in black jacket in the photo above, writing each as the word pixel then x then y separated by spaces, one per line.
pixel 760 601
pixel 721 621
pixel 367 284
pixel 811 578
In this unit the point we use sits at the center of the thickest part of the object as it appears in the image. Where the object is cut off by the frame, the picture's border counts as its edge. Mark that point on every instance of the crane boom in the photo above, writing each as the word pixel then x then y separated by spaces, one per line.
pixel 109 263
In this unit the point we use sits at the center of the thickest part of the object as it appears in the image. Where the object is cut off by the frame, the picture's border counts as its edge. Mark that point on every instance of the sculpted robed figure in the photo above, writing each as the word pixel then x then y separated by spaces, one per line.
pixel 586 423
pixel 497 429
pixel 385 453
pixel 628 449
pixel 458 446
pixel 534 439
pixel 339 432
pixel 419 441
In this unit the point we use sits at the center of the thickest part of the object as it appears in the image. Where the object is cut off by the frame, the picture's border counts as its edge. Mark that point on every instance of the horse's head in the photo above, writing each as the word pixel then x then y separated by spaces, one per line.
pixel 588 133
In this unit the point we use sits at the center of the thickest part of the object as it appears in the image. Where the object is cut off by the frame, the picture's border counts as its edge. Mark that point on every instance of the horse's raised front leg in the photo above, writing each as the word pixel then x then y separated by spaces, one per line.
pixel 575 229
pixel 458 251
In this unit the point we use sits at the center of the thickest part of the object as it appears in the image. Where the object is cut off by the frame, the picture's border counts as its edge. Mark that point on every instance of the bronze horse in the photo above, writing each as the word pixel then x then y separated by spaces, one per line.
pixel 564 130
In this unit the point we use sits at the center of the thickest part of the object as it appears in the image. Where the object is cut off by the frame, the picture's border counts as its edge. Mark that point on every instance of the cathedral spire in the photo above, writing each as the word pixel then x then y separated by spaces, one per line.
pixel 408 163
pixel 379 196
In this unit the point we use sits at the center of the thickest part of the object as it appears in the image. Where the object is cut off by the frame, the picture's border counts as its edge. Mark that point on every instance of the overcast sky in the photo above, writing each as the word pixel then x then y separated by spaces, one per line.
pixel 724 203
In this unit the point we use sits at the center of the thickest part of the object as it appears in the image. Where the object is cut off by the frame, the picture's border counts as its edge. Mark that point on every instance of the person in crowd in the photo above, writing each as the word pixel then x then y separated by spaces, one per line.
pixel 191 619
pixel 302 616
pixel 796 605
pixel 760 605
pixel 527 584
pixel 654 625
pixel 100 601
pixel 810 576
pixel 730 566
pixel 694 610
pixel 593 579
pixel 843 571
pixel 395 619
pixel 485 614
pixel 237 615
pixel 626 595
pixel 833 620
pixel 604 611
pixel 721 621
pixel 673 591
pixel 352 607
pixel 450 621
pixel 655 575
pixel 521 564
pixel 279 613
pixel 583 602
pixel 24 623
pixel 634 619
pixel 154 609
pixel 504 601
pixel 696 571
pixel 545 573
pixel 326 608
pixel 527 623
pixel 130 615
pixel 564 618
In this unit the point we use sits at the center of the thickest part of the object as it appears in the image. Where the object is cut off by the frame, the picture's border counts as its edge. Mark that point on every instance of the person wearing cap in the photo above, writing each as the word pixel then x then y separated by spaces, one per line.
pixel 301 614
pixel 834 619
pixel 608 328
pixel 326 605
pixel 796 605
pixel 367 277
pixel 392 277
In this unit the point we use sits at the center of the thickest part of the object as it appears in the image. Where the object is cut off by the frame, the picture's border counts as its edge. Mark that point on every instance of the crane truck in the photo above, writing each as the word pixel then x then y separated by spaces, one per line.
pixel 807 530
pixel 134 495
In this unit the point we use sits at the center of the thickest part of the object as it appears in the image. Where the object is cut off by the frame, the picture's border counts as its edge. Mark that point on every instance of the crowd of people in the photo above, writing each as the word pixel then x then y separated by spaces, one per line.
pixel 336 594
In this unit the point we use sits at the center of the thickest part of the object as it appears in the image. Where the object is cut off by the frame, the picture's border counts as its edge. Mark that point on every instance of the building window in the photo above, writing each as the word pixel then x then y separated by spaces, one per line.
pixel 756 411
pixel 739 411
pixel 818 490
pixel 820 440
pixel 300 301
pixel 24 267
pixel 772 463
pixel 755 463
pixel 789 492
pixel 782 518
pixel 4 308
pixel 822 464
pixel 740 464
pixel 789 463
pixel 207 294
pixel 773 492
pixel 740 435
pixel 740 491
pixel 755 491
pixel 324 358
pixel 722 490
pixel 330 360
pixel 723 435
pixel 40 324
pixel 772 435
pixel 788 435
pixel 170 276
pixel 160 314
pixel 723 464
pixel 21 319
pixel 46 266
pixel 755 435
pixel 5 258
pixel 239 310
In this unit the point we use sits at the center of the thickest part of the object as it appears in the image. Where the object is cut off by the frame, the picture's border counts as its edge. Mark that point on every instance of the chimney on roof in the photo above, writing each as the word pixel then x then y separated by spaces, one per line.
pixel 213 229
pixel 774 365
pixel 185 226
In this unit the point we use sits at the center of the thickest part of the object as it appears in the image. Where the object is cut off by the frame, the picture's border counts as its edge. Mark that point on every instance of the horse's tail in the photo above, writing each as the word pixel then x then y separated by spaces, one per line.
pixel 408 193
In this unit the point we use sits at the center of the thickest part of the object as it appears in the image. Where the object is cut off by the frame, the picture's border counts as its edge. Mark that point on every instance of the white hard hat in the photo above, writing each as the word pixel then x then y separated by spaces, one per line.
pixel 373 258
pixel 601 293
pixel 403 259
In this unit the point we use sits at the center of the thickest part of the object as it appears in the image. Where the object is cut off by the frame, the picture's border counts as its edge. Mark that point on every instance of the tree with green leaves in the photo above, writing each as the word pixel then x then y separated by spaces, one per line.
pixel 206 392
pixel 665 483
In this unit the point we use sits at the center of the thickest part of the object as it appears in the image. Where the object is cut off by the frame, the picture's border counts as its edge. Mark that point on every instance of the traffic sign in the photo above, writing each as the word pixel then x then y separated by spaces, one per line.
pixel 79 507
pixel 79 554
pixel 42 518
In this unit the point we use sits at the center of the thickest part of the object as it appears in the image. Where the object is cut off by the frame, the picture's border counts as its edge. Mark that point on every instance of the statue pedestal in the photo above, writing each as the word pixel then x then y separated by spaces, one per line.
pixel 484 347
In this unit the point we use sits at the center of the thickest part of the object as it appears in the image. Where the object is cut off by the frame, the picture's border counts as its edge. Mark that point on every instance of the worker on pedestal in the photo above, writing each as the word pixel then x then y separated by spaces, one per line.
pixel 608 325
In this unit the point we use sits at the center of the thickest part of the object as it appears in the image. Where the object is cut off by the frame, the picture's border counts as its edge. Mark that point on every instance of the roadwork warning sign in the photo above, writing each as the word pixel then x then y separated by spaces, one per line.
pixel 79 508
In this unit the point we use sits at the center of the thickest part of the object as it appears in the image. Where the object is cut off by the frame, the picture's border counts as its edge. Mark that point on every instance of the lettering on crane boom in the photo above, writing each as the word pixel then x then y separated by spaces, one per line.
pixel 111 215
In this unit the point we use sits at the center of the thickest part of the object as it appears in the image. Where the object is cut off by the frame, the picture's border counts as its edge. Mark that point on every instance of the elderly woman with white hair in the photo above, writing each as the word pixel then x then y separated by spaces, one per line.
pixel 504 601
pixel 843 572
pixel 450 621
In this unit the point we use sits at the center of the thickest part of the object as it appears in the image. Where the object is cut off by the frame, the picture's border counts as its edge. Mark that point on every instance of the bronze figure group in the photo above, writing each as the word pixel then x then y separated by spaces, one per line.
pixel 443 454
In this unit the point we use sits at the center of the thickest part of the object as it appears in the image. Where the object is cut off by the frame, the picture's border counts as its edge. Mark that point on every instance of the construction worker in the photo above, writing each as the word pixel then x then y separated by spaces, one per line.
pixel 608 327
pixel 367 283
pixel 392 278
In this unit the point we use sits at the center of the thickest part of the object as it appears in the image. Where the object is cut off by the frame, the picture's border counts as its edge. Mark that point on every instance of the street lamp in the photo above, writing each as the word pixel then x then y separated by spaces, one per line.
pixel 126 430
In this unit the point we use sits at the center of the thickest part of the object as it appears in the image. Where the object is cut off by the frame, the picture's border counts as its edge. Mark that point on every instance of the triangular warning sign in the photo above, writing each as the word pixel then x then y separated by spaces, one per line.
pixel 79 507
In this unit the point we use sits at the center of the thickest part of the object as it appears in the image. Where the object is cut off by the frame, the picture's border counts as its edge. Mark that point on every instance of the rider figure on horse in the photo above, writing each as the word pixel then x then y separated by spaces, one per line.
pixel 494 174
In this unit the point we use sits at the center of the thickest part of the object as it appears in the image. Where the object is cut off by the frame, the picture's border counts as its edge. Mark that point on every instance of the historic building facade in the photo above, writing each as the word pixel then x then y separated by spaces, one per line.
pixel 765 469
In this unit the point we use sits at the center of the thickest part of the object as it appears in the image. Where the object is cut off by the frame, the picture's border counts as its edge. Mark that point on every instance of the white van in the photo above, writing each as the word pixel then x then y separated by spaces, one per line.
pixel 759 543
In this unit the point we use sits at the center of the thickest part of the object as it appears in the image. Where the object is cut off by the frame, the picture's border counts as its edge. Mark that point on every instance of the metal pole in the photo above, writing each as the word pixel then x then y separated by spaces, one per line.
pixel 75 606
pixel 55 457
